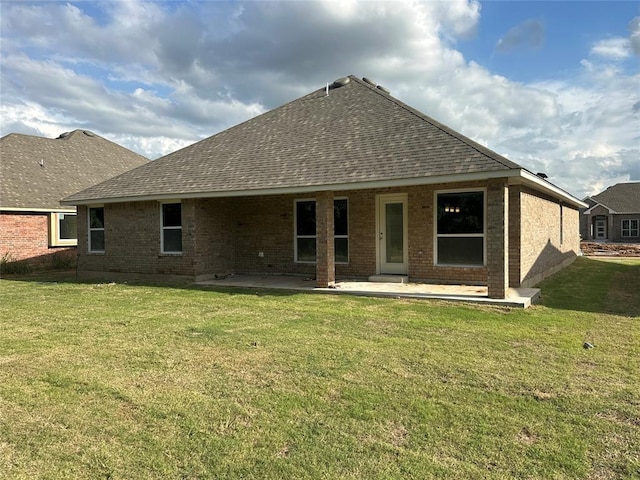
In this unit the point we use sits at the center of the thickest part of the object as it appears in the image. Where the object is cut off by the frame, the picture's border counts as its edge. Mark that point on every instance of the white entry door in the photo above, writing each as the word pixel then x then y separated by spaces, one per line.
pixel 601 229
pixel 392 234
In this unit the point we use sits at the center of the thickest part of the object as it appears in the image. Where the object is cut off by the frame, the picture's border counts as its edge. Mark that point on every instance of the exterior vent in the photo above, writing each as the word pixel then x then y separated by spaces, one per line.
pixel 88 133
pixel 63 135
pixel 341 82
pixel 380 87
pixel 542 175
pixel 369 81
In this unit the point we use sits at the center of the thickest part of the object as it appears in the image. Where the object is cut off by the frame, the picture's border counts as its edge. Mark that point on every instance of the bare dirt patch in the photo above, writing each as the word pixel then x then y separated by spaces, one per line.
pixel 610 249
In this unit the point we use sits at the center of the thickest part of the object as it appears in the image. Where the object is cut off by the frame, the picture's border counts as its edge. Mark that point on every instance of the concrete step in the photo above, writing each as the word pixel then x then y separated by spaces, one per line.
pixel 389 278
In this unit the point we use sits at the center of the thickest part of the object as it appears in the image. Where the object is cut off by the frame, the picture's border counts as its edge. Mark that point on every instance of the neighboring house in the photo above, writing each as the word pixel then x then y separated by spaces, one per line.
pixel 346 181
pixel 613 215
pixel 35 174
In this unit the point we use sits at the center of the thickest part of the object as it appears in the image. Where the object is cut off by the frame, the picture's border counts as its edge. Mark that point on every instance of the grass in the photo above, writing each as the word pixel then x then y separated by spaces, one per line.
pixel 134 381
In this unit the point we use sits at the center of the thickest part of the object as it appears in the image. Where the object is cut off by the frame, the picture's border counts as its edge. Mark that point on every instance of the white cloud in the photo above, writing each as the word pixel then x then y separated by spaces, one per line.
pixel 612 48
pixel 178 72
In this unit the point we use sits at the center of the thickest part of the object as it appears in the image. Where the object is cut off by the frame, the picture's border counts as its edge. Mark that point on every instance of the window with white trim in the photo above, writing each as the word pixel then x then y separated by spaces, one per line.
pixel 63 230
pixel 631 228
pixel 460 228
pixel 96 229
pixel 171 227
pixel 305 230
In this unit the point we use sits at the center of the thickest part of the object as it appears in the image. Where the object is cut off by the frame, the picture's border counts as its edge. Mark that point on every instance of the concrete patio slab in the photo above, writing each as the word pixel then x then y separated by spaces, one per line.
pixel 517 297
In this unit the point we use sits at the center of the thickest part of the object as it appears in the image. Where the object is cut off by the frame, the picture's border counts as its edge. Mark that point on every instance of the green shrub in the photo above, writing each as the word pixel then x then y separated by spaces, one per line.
pixel 8 265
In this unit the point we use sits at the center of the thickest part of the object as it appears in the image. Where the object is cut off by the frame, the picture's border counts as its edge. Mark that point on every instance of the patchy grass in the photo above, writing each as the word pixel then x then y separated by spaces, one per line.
pixel 134 381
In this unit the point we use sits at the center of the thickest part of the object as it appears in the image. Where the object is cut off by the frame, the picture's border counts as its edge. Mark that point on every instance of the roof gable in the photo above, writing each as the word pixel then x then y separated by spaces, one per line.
pixel 620 198
pixel 38 172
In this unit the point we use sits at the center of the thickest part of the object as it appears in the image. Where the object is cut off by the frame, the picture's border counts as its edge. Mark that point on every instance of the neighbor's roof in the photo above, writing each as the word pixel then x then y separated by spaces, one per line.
pixel 357 136
pixel 621 198
pixel 37 172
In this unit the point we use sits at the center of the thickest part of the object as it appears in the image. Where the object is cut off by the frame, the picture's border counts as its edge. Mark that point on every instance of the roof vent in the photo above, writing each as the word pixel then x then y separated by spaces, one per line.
pixel 380 87
pixel 369 81
pixel 88 133
pixel 542 175
pixel 63 135
pixel 341 82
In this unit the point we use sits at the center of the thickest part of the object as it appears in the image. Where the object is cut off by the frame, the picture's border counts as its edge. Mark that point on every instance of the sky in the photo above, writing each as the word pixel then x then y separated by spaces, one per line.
pixel 553 86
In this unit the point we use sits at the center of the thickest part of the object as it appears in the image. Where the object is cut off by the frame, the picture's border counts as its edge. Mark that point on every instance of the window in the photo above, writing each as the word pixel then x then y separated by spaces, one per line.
pixel 460 228
pixel 96 229
pixel 305 241
pixel 341 230
pixel 631 228
pixel 63 230
pixel 171 228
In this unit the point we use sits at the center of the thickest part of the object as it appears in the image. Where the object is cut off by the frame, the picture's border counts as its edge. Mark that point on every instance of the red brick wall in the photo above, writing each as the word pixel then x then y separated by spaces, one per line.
pixel 25 236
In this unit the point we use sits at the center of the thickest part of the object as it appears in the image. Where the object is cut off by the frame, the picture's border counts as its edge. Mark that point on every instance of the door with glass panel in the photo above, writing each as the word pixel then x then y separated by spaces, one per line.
pixel 392 234
pixel 601 229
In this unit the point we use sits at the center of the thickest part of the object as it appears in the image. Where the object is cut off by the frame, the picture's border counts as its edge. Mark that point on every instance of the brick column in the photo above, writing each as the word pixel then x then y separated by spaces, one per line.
pixel 325 254
pixel 497 237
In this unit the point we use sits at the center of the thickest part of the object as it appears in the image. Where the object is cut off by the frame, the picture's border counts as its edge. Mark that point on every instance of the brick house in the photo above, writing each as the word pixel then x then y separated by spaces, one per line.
pixel 36 173
pixel 613 215
pixel 344 182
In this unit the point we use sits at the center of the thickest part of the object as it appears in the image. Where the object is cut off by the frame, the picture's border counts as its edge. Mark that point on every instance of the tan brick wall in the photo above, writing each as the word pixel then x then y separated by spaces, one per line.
pixel 25 236
pixel 515 208
pixel 542 251
pixel 134 228
pixel 222 236
pixel 497 238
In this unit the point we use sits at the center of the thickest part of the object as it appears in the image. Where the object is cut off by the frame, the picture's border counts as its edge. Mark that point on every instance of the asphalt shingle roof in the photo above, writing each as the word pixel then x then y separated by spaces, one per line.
pixel 38 172
pixel 621 198
pixel 357 133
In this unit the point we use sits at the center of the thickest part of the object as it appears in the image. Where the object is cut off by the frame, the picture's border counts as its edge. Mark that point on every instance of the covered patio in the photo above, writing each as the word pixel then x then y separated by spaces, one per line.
pixel 516 297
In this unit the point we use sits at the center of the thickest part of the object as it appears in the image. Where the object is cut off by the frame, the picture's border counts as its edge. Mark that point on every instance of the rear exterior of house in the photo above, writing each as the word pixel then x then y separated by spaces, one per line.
pixel 613 215
pixel 37 173
pixel 351 184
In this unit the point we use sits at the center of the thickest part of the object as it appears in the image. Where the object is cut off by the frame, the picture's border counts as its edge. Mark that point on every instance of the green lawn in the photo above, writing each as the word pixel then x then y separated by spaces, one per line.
pixel 126 381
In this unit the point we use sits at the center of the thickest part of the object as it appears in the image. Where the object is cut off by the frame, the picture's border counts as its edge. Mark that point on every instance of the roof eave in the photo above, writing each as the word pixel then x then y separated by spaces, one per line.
pixel 515 175
pixel 598 204
pixel 531 179
pixel 38 210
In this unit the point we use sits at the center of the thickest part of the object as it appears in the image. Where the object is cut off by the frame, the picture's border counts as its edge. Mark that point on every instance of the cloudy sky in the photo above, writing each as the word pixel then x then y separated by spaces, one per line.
pixel 554 86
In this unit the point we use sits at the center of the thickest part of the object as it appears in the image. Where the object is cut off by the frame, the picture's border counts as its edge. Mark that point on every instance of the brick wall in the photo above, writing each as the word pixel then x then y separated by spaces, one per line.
pixel 497 237
pixel 255 235
pixel 543 251
pixel 132 242
pixel 25 236
pixel 616 228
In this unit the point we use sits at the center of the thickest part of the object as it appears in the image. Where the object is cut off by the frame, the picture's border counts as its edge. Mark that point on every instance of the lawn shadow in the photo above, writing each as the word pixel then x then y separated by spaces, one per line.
pixel 598 285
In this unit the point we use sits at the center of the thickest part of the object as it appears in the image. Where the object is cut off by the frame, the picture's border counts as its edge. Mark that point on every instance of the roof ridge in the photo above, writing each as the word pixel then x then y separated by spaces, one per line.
pixel 446 129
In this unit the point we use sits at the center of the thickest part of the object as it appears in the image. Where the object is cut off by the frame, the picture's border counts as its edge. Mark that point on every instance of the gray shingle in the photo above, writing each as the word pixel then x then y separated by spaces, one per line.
pixel 355 134
pixel 622 197
pixel 69 164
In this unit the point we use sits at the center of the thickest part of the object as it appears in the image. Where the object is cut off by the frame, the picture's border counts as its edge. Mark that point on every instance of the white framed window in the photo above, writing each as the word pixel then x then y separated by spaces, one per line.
pixel 96 229
pixel 171 227
pixel 631 228
pixel 63 230
pixel 460 228
pixel 305 230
